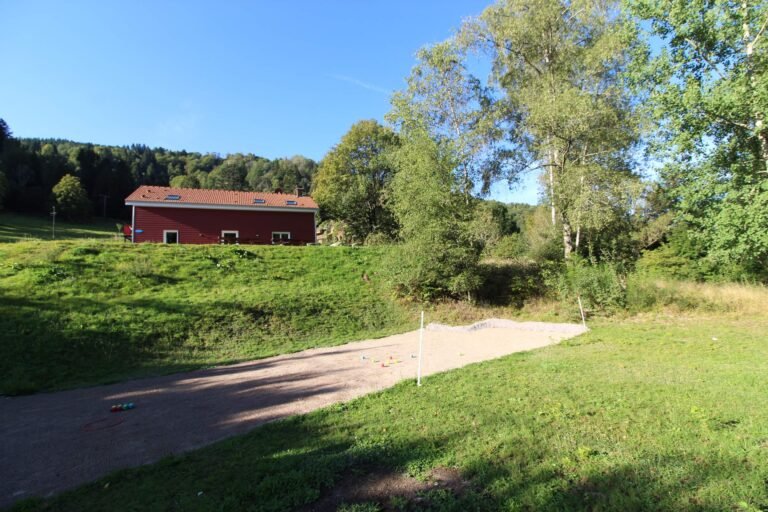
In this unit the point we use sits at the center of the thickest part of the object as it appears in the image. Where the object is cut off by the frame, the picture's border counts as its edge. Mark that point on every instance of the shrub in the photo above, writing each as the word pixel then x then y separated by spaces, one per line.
pixel 438 256
pixel 378 238
pixel 666 262
pixel 508 246
pixel 601 287
pixel 510 282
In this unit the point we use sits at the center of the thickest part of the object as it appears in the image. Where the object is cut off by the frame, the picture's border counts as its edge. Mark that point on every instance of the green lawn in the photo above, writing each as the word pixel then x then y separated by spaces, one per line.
pixel 16 228
pixel 649 413
pixel 86 312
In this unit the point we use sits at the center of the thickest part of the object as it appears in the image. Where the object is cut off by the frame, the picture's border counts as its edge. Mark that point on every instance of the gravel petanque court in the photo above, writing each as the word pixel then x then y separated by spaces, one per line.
pixel 56 441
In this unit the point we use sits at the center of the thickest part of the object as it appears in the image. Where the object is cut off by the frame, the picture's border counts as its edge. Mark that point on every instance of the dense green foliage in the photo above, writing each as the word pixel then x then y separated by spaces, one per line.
pixel 438 255
pixel 558 66
pixel 457 111
pixel 84 312
pixel 631 416
pixel 70 197
pixel 29 169
pixel 706 92
pixel 352 181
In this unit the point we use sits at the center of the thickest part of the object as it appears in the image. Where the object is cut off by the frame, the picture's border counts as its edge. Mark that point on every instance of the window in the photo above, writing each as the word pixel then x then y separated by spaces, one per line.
pixel 280 236
pixel 170 237
pixel 259 201
pixel 291 203
pixel 172 197
pixel 230 237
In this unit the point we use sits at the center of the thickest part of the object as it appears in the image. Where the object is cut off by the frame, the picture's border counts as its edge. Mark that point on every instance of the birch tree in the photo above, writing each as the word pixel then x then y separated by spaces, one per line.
pixel 707 90
pixel 559 64
pixel 457 111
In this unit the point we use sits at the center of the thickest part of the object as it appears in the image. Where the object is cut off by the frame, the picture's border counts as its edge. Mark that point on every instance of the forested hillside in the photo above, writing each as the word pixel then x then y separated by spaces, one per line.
pixel 31 168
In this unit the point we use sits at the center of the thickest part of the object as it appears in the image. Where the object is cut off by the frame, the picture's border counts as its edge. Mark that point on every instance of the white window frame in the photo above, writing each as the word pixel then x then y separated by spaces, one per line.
pixel 281 238
pixel 230 231
pixel 165 233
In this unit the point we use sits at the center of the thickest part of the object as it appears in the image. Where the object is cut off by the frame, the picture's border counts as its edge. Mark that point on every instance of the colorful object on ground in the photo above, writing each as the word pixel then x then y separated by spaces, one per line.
pixel 122 407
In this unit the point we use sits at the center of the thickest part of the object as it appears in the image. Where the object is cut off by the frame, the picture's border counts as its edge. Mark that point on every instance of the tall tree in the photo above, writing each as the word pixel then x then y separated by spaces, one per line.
pixel 457 111
pixel 352 180
pixel 707 90
pixel 438 255
pixel 559 63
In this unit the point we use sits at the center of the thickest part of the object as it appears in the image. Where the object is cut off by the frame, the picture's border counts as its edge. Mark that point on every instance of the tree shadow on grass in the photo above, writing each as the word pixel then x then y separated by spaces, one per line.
pixel 641 486
pixel 61 342
pixel 281 466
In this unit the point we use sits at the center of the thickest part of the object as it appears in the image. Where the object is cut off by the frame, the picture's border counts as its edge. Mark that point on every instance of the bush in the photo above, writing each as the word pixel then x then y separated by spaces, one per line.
pixel 508 247
pixel 666 262
pixel 510 282
pixel 439 255
pixel 601 287
pixel 378 238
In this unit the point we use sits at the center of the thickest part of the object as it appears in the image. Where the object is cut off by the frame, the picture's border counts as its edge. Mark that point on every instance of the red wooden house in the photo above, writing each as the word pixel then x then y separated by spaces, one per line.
pixel 198 216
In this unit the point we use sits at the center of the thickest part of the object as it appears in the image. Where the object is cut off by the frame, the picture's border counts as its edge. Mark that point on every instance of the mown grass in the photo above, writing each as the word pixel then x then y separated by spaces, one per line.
pixel 648 413
pixel 17 228
pixel 86 312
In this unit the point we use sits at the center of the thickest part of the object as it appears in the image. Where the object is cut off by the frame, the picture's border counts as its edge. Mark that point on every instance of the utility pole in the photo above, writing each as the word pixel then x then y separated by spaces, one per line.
pixel 104 210
pixel 53 225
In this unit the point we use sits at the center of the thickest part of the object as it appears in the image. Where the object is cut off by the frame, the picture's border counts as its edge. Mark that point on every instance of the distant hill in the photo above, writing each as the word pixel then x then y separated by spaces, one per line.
pixel 31 167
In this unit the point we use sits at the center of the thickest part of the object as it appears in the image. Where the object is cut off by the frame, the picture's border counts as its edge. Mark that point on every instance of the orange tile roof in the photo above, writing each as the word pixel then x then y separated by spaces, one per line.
pixel 198 196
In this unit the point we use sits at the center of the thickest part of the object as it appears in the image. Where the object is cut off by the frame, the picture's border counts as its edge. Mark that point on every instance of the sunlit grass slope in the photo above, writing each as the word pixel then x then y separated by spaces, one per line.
pixel 84 312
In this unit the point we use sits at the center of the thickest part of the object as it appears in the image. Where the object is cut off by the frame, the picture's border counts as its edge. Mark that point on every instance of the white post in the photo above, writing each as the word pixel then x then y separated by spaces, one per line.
pixel 53 225
pixel 421 349
pixel 581 309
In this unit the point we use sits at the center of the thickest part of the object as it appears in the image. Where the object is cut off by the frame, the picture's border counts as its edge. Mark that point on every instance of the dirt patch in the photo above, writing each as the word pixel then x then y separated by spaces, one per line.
pixel 392 491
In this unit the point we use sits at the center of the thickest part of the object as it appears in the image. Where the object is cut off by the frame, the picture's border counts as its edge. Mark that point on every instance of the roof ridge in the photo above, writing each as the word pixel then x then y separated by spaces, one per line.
pixel 221 190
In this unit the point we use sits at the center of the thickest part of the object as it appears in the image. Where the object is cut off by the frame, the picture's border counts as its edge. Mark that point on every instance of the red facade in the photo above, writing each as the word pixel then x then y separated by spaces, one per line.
pixel 207 226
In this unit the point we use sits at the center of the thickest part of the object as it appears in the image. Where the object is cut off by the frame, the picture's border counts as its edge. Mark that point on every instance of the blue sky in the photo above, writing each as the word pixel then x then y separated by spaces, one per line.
pixel 273 78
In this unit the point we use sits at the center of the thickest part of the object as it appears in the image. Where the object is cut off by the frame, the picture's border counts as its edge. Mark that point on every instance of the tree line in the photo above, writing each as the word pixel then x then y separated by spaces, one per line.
pixel 644 120
pixel 596 97
pixel 99 178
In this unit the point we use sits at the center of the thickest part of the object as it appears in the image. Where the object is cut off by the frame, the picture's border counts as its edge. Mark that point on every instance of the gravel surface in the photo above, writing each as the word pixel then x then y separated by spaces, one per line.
pixel 55 441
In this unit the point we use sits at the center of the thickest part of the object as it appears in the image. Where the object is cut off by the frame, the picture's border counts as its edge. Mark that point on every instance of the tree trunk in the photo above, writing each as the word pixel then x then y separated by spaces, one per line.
pixel 567 244
pixel 763 136
pixel 552 157
pixel 749 48
pixel 578 218
pixel 578 237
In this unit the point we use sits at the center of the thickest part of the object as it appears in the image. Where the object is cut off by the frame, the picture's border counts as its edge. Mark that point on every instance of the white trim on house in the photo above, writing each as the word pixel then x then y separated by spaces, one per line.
pixel 225 232
pixel 281 237
pixel 133 224
pixel 166 231
pixel 196 206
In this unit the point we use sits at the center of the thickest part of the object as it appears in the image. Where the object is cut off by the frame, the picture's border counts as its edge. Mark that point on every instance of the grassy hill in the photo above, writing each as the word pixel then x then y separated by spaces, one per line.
pixel 16 228
pixel 92 311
